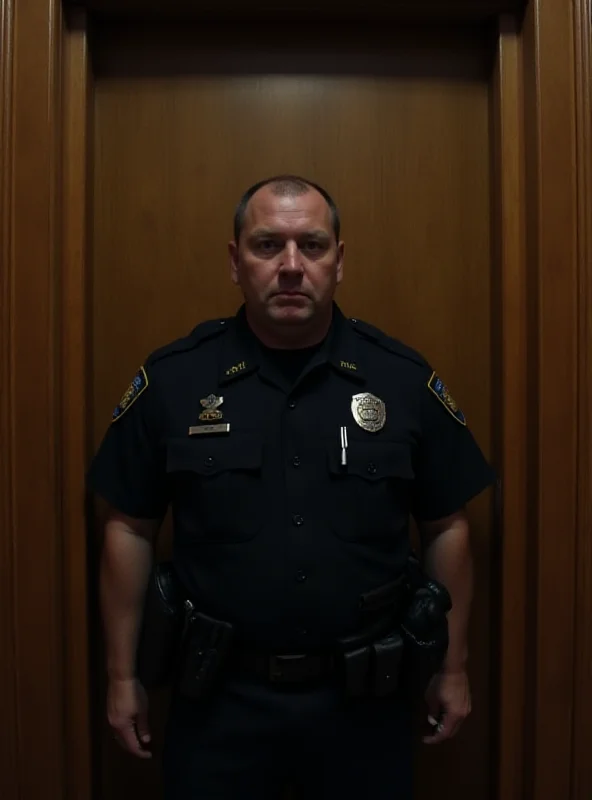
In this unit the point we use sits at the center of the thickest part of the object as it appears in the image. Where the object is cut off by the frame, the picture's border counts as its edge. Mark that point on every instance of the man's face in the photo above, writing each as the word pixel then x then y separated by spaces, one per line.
pixel 287 262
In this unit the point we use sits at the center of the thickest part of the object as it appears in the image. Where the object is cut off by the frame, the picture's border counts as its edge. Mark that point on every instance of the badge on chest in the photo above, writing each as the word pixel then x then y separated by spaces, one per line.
pixel 211 417
pixel 368 411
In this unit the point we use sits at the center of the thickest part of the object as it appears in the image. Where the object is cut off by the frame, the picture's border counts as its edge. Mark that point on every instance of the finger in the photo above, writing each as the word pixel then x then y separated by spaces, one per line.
pixel 445 730
pixel 433 704
pixel 434 707
pixel 142 729
pixel 129 741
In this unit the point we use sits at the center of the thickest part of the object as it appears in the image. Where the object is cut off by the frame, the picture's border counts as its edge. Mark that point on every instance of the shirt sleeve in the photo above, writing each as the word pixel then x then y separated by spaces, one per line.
pixel 128 470
pixel 450 467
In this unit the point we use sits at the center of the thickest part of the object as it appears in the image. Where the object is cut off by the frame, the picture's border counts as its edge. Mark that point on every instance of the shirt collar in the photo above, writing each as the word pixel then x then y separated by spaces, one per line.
pixel 241 354
pixel 344 351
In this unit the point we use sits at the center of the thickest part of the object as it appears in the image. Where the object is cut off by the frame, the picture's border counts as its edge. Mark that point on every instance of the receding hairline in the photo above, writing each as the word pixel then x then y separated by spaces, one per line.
pixel 289 187
pixel 285 186
pixel 279 192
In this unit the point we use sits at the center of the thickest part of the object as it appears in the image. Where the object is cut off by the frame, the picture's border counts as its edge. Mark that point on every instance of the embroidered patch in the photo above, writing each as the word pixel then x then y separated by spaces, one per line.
pixel 439 388
pixel 131 394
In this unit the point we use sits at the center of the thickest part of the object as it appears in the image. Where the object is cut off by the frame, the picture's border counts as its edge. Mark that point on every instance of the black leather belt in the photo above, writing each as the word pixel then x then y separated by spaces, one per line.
pixel 297 668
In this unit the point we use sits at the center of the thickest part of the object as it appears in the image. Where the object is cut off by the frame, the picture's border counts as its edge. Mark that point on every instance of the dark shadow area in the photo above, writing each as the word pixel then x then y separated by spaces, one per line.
pixel 129 50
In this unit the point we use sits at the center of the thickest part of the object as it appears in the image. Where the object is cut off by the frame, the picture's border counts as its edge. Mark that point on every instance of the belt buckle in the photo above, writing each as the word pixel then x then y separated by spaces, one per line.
pixel 276 673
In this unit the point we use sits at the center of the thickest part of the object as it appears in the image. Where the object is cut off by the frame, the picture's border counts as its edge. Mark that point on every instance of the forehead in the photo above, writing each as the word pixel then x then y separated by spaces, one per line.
pixel 287 212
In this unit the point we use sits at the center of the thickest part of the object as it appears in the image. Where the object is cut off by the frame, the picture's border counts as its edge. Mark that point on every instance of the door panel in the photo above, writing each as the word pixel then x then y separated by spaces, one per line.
pixel 397 128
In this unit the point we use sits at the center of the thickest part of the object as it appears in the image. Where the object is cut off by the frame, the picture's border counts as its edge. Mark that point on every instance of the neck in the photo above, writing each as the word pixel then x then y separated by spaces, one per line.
pixel 290 337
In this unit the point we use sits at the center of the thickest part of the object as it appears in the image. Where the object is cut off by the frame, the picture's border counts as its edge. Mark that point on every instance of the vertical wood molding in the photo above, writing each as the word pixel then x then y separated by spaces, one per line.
pixel 551 199
pixel 511 298
pixel 30 415
pixel 8 660
pixel 582 695
pixel 77 82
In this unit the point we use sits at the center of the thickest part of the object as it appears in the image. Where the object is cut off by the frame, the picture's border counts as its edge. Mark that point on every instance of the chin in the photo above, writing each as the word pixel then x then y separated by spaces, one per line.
pixel 291 315
pixel 291 312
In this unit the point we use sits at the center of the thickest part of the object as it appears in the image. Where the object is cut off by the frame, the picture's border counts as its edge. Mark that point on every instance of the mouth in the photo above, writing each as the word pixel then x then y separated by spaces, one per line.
pixel 289 294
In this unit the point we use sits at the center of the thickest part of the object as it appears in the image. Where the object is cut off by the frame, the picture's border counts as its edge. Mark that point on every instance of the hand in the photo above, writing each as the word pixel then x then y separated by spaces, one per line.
pixel 449 702
pixel 127 712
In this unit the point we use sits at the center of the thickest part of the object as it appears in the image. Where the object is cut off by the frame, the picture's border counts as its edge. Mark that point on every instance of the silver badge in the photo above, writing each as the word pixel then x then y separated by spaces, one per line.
pixel 210 414
pixel 369 411
pixel 210 405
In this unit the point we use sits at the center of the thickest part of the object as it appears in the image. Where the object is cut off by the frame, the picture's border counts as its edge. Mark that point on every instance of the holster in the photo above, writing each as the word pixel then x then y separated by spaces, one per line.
pixel 206 645
pixel 178 644
pixel 161 628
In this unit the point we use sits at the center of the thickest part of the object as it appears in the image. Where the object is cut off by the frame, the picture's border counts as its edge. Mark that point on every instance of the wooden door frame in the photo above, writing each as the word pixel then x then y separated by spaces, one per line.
pixel 542 232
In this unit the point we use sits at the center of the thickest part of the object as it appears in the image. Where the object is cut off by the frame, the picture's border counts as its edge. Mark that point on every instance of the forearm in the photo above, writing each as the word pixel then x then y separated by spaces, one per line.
pixel 125 568
pixel 447 558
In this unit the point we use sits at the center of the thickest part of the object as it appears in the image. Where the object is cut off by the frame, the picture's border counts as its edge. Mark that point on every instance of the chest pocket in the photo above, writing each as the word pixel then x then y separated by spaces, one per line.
pixel 216 487
pixel 370 496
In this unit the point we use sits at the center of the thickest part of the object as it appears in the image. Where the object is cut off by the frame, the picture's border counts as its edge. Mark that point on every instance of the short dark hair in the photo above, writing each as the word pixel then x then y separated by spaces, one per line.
pixel 285 185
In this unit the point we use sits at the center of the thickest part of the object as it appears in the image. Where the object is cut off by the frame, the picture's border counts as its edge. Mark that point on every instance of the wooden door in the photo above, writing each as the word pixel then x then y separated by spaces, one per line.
pixel 396 125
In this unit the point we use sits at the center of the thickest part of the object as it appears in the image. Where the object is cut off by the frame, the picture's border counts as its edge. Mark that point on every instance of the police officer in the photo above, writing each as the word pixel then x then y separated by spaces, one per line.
pixel 293 446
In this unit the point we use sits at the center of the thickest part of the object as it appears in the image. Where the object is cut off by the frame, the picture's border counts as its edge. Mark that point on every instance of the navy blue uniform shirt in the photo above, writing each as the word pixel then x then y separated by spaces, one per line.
pixel 272 532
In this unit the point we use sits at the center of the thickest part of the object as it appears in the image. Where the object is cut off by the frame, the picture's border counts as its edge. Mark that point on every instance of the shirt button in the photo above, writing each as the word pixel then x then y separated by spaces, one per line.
pixel 372 468
pixel 298 520
pixel 292 404
pixel 302 632
pixel 301 576
pixel 296 461
pixel 209 461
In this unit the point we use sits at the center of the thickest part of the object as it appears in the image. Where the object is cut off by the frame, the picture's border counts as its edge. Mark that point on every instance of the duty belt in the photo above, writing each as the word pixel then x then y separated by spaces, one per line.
pixel 286 669
pixel 352 654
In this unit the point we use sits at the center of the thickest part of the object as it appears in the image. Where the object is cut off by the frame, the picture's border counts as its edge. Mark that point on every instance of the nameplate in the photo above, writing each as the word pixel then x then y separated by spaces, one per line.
pixel 197 430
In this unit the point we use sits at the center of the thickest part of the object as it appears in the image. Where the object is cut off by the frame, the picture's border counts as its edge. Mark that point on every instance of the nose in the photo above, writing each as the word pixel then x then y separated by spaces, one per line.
pixel 291 262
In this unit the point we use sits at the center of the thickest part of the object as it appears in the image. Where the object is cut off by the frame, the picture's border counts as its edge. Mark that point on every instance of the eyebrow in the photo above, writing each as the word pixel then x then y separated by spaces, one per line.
pixel 317 232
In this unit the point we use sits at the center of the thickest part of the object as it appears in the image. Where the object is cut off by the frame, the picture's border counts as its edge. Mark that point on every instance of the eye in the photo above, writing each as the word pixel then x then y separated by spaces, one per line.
pixel 266 245
pixel 312 246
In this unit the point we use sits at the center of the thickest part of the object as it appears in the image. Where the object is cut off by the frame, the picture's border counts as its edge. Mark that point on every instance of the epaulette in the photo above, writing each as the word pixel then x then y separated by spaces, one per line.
pixel 201 333
pixel 378 337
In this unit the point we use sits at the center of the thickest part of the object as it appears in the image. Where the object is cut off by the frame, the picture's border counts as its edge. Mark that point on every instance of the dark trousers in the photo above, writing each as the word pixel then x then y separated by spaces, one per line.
pixel 251 739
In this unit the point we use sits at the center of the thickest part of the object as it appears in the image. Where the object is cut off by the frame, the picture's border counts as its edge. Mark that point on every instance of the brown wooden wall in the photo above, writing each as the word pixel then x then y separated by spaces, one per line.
pixel 541 236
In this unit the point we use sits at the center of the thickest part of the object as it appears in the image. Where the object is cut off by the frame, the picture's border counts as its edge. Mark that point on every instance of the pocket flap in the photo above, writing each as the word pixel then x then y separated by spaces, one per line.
pixel 373 460
pixel 211 455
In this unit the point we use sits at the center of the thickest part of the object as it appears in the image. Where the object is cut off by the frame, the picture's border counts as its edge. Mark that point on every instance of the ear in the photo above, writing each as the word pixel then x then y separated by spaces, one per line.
pixel 233 253
pixel 340 253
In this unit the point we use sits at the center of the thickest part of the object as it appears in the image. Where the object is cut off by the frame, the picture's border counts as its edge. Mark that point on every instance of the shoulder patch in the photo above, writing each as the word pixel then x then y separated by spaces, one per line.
pixel 387 342
pixel 138 385
pixel 439 388
pixel 202 332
